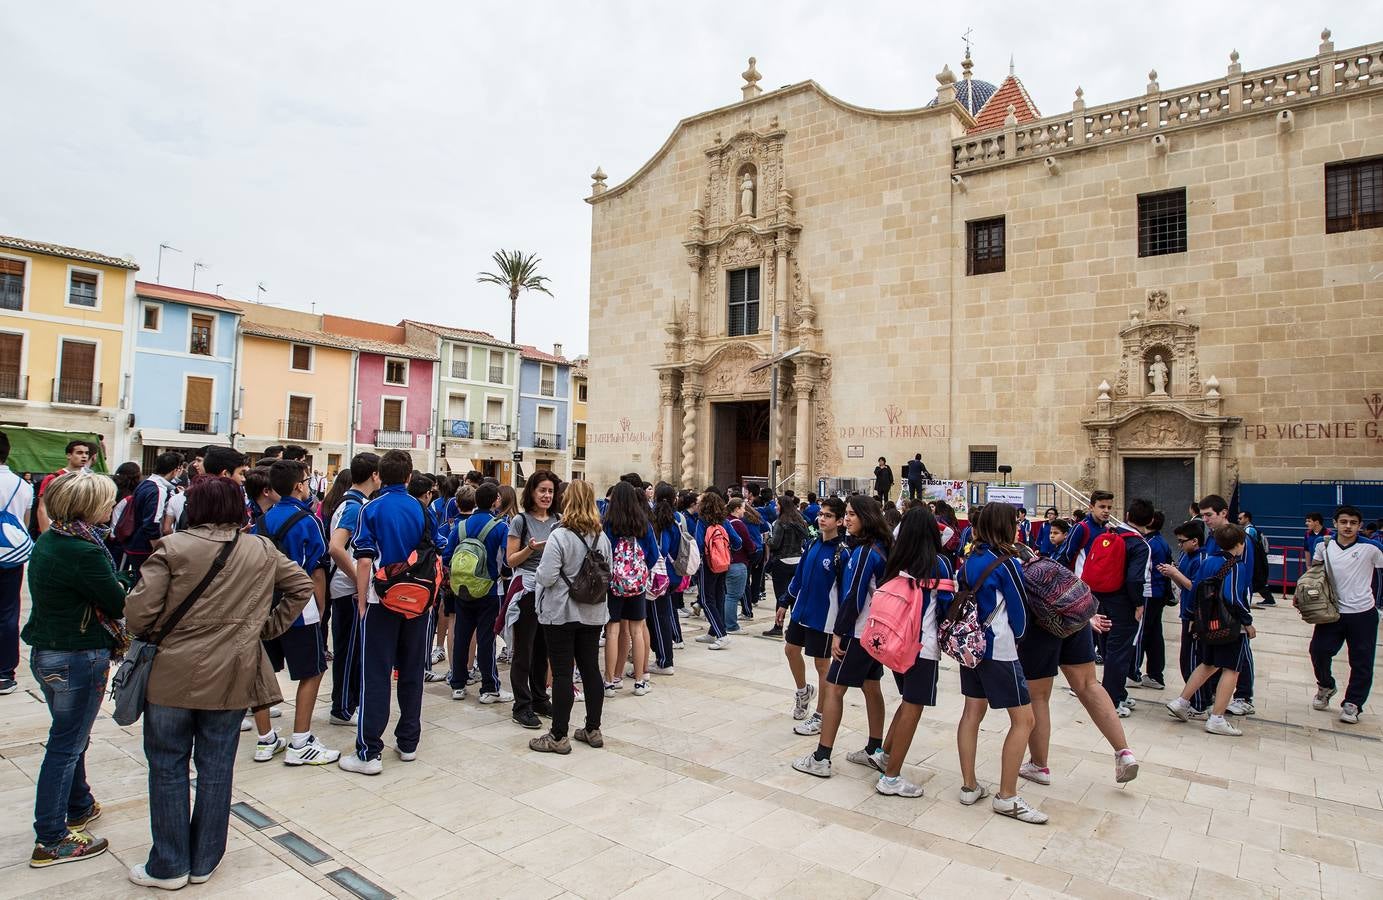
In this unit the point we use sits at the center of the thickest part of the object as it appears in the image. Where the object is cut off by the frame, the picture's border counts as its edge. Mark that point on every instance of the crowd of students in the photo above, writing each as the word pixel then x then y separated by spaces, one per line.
pixel 555 574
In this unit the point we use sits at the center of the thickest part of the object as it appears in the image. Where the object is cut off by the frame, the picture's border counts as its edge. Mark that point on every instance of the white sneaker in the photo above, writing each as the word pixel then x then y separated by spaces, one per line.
pixel 641 688
pixel 629 670
pixel 1180 709
pixel 1124 710
pixel 1240 707
pixel 337 720
pixel 406 755
pixel 313 753
pixel 602 640
pixel 1220 725
pixel 706 638
pixel 811 726
pixel 876 760
pixel 267 750
pixel 247 723
pixel 1125 766
pixel 1016 807
pixel 679 645
pixel 897 786
pixel 662 670
pixel 683 614
pixel 969 796
pixel 722 644
pixel 438 654
pixel 1349 713
pixel 1035 773
pixel 144 879
pixel 458 694
pixel 801 702
pixel 1322 698
pixel 496 697
pixel 809 764
pixel 353 763
pixel 275 712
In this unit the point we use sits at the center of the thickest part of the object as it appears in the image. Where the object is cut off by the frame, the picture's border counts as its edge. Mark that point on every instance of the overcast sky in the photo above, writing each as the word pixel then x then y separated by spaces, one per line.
pixel 369 157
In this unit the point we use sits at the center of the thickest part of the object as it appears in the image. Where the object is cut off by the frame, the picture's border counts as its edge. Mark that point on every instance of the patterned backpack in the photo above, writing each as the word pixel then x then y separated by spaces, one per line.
pixel 1059 601
pixel 629 576
pixel 961 634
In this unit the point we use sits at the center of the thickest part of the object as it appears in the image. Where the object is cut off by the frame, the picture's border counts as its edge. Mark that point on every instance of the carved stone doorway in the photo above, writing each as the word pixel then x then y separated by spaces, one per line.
pixel 1167 482
pixel 740 441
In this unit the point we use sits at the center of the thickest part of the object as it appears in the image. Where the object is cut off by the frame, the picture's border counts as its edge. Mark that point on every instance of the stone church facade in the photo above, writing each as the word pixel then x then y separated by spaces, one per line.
pixel 1158 281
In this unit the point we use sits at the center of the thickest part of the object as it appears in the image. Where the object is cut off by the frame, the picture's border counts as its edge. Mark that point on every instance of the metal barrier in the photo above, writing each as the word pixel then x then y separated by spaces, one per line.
pixel 1293 558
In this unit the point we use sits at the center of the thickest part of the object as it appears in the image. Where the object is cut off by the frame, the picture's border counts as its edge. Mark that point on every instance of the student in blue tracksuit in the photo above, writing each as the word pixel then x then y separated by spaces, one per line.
pixel 998 681
pixel 444 515
pixel 290 524
pixel 916 550
pixel 475 616
pixel 389 529
pixel 662 617
pixel 813 596
pixel 1214 513
pixel 1152 647
pixel 626 519
pixel 1045 548
pixel 711 593
pixel 343 522
pixel 868 541
pixel 1224 658
pixel 1182 576
pixel 812 509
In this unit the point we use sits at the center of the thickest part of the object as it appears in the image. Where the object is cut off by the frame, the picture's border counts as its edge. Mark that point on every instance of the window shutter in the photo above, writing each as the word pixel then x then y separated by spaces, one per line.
pixel 12 267
pixel 11 351
pixel 78 363
pixel 198 402
pixel 393 415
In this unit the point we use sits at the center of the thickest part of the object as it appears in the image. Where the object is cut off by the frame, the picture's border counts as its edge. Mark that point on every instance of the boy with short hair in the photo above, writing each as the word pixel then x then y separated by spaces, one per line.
pixel 463 505
pixel 813 597
pixel 476 615
pixel 345 617
pixel 1315 533
pixel 1214 513
pixel 289 523
pixel 1183 575
pixel 1355 568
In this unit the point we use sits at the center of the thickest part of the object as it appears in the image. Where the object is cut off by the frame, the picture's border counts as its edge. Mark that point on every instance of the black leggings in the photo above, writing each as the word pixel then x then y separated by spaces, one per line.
pixel 568 642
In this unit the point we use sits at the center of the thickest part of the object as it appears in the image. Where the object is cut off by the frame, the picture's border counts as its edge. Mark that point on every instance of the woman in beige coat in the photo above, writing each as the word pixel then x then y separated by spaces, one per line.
pixel 208 670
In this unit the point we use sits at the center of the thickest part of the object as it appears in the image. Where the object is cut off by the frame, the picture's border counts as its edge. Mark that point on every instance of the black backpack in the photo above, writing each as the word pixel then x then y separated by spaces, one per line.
pixel 277 537
pixel 1212 620
pixel 591 584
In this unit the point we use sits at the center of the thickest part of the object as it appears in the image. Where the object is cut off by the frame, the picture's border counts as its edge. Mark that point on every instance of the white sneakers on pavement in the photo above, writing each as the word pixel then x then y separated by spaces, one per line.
pixel 311 753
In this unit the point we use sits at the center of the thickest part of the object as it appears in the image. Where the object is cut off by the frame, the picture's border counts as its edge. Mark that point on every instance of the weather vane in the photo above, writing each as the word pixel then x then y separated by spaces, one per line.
pixel 966 37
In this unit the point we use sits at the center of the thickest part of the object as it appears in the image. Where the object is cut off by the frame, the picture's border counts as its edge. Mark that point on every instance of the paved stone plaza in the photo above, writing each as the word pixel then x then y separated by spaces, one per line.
pixel 693 797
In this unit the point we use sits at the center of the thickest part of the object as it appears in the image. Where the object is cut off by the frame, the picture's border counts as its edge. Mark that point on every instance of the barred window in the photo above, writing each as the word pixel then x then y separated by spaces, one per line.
pixel 744 302
pixel 1162 223
pixel 1354 195
pixel 984 460
pixel 984 246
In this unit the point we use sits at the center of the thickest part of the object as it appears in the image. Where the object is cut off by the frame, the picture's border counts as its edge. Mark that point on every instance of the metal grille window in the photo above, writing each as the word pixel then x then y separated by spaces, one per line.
pixel 744 302
pixel 984 460
pixel 11 284
pixel 1354 196
pixel 82 290
pixel 984 246
pixel 1162 223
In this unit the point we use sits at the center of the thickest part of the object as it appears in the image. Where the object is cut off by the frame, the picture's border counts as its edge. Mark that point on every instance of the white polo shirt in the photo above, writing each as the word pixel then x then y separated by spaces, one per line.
pixel 1351 572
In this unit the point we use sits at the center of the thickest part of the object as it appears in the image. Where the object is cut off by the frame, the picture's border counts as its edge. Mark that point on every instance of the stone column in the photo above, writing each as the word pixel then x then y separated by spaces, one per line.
pixel 780 284
pixel 803 384
pixel 1104 448
pixel 691 407
pixel 693 329
pixel 667 396
pixel 1214 449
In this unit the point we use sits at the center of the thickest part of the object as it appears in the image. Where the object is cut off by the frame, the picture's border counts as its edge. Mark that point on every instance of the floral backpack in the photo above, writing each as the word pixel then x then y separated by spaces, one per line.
pixel 629 575
pixel 961 634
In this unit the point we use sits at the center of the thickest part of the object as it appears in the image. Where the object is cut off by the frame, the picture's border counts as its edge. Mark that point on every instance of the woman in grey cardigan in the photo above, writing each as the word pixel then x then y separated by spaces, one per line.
pixel 571 630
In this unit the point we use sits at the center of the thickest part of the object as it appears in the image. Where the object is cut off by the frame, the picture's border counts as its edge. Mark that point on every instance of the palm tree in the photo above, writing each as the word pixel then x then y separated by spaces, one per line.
pixel 518 272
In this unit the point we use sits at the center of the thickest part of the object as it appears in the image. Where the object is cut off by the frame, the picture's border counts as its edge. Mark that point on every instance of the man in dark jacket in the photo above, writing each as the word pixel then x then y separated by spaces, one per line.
pixel 150 500
pixel 917 473
pixel 883 479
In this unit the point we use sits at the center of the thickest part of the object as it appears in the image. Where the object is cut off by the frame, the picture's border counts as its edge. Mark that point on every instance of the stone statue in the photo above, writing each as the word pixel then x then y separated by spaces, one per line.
pixel 747 196
pixel 1157 372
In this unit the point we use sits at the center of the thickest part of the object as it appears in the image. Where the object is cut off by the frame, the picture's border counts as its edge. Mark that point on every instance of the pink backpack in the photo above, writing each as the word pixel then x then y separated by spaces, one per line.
pixel 893 632
pixel 629 575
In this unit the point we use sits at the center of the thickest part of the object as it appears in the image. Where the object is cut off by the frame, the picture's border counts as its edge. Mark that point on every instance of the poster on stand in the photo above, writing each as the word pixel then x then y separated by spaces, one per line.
pixel 1012 494
pixel 956 493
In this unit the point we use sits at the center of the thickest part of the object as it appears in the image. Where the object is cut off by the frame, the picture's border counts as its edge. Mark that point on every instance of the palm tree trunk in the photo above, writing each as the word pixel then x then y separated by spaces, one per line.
pixel 513 316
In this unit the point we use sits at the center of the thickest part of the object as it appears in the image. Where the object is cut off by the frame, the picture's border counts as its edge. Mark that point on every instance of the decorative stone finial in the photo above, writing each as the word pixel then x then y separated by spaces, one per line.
pixel 1153 86
pixel 1079 104
pixel 1010 119
pixel 1234 67
pixel 945 76
pixel 966 65
pixel 945 86
pixel 598 181
pixel 751 78
pixel 1327 45
pixel 1104 391
pixel 1212 386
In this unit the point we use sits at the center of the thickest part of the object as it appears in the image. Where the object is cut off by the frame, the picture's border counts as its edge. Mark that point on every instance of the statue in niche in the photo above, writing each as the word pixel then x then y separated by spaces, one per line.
pixel 747 196
pixel 1157 373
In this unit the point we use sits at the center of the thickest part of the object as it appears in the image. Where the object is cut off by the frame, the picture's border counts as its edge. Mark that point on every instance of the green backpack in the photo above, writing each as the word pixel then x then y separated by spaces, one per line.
pixel 470 566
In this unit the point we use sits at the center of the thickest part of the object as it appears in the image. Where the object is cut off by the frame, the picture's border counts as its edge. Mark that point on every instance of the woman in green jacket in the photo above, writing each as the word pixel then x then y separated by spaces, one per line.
pixel 77 600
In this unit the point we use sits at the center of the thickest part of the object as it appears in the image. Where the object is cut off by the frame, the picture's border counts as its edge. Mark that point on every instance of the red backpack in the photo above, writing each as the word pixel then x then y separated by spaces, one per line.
pixel 1104 563
pixel 893 632
pixel 717 549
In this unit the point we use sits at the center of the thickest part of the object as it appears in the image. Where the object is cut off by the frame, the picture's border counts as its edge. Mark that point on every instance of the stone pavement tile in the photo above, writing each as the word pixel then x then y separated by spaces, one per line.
pixel 1279 870
pixel 897 810
pixel 1293 814
pixel 838 847
pixel 731 811
pixel 755 873
pixel 703 851
pixel 1154 876
pixel 1332 849
pixel 1370 859
pixel 638 825
pixel 1085 857
pixel 817 882
pixel 972 882
pixel 608 873
pixel 1185 816
pixel 1227 887
pixel 1010 837
pixel 19 879
pixel 564 799
pixel 1131 834
pixel 783 829
pixel 1089 889
pixel 513 881
pixel 561 849
pixel 949 819
pixel 1347 883
pixel 902 869
pixel 1217 798
pixel 384 849
pixel 283 885
pixel 1117 799
pixel 1032 875
pixel 1354 827
pixel 1202 851
pixel 1235 827
pixel 521 825
pixel 466 864
pixel 670 882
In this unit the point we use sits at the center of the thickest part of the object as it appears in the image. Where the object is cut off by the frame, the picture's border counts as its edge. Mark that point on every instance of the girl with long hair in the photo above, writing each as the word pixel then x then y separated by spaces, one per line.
pixel 741 561
pixel 663 632
pixel 786 539
pixel 528 535
pixel 628 528
pixel 868 540
pixel 711 514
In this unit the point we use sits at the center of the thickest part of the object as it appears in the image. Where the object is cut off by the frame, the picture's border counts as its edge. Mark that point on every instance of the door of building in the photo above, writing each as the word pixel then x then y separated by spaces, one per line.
pixel 1168 483
pixel 741 441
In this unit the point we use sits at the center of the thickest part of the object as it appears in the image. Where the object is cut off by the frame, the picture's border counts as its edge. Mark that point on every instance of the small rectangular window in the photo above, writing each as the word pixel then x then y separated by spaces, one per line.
pixel 1162 223
pixel 201 335
pixel 582 392
pixel 396 371
pixel 984 459
pixel 82 289
pixel 1354 195
pixel 11 284
pixel 302 358
pixel 984 246
pixel 743 289
pixel 152 315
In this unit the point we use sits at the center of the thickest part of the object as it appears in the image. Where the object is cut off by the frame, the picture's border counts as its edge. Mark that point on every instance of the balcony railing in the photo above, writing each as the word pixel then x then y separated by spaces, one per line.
pixel 14 386
pixel 545 441
pixel 393 440
pixel 77 393
pixel 494 431
pixel 497 374
pixel 299 430
pixel 579 451
pixel 548 388
pixel 200 422
pixel 458 368
pixel 11 294
pixel 458 428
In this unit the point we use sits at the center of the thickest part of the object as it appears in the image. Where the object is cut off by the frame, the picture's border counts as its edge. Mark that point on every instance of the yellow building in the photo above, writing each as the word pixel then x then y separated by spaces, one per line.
pixel 65 339
pixel 580 394
pixel 296 386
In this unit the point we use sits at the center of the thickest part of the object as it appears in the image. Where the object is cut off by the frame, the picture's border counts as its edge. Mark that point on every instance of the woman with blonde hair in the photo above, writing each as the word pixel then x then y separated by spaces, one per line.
pixel 77 599
pixel 572 620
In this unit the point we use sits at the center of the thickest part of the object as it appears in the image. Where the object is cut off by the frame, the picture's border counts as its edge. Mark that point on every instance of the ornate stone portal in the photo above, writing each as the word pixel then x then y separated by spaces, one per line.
pixel 743 218
pixel 1159 349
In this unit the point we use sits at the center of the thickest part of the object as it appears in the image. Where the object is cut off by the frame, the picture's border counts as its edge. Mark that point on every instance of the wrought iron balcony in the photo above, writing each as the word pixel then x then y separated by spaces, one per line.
pixel 300 430
pixel 579 451
pixel 458 368
pixel 548 388
pixel 543 440
pixel 497 374
pixel 199 422
pixel 76 393
pixel 393 440
pixel 494 431
pixel 458 428
pixel 14 386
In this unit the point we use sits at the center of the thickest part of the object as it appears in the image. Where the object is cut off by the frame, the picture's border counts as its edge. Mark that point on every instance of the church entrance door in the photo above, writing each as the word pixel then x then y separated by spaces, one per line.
pixel 1167 482
pixel 740 441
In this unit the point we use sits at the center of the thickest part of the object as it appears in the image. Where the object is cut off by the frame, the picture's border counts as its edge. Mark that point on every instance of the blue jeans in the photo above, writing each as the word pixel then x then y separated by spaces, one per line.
pixel 736 580
pixel 189 842
pixel 73 683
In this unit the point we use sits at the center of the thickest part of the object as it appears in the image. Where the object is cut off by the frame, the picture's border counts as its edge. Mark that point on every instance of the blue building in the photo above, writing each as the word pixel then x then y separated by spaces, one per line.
pixel 545 410
pixel 184 374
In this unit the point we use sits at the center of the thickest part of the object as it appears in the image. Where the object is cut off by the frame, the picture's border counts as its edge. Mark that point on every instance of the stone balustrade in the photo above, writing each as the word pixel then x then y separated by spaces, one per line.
pixel 1329 74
